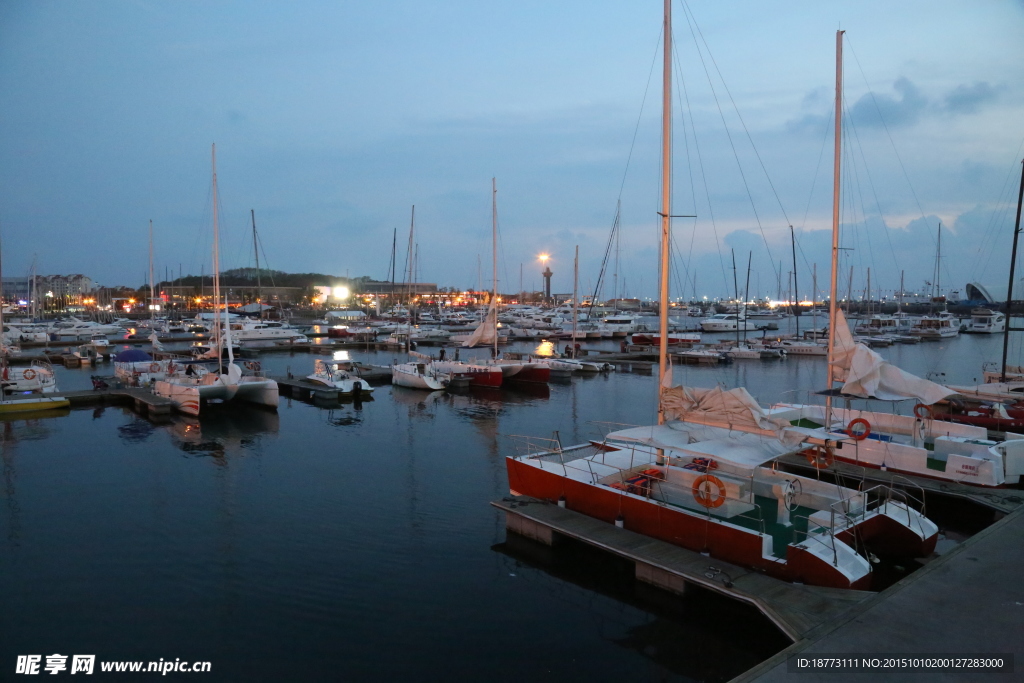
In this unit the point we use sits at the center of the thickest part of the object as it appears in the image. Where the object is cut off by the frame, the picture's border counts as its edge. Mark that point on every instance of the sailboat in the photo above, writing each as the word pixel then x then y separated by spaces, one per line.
pixel 36 378
pixel 702 477
pixel 193 385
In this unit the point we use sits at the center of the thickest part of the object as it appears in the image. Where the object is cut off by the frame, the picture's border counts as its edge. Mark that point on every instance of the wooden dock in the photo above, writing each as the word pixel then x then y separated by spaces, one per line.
pixel 142 401
pixel 797 610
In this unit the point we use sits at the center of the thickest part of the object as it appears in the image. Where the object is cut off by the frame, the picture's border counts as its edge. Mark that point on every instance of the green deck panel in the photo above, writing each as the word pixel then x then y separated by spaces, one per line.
pixel 804 422
pixel 938 465
pixel 781 534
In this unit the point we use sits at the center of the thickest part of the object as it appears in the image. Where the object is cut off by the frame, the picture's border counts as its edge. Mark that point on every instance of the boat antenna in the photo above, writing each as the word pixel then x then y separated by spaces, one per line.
pixel 835 224
pixel 575 299
pixel 746 298
pixel 1009 287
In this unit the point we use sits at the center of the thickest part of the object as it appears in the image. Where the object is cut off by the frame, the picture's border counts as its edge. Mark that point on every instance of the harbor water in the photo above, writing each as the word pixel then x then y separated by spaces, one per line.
pixel 356 542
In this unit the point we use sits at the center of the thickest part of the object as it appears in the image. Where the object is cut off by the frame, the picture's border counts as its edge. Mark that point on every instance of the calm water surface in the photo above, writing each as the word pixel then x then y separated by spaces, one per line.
pixel 355 543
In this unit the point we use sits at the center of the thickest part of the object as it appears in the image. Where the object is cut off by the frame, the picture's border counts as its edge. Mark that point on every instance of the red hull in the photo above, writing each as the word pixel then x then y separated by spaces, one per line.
pixel 483 379
pixel 538 374
pixel 691 531
pixel 996 424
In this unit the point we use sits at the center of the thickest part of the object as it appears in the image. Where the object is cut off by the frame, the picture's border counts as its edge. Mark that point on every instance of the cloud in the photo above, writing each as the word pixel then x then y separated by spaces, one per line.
pixel 877 110
pixel 966 99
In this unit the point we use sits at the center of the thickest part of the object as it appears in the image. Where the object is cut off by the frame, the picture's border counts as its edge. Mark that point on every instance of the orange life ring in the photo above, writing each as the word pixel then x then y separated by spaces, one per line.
pixel 154 367
pixel 859 436
pixel 703 496
pixel 29 374
pixel 927 411
pixel 820 457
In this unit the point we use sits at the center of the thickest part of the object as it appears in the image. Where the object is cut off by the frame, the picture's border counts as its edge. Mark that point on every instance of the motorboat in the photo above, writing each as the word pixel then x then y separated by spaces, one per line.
pixel 985 321
pixel 674 338
pixel 935 327
pixel 418 376
pixel 337 375
pixel 728 322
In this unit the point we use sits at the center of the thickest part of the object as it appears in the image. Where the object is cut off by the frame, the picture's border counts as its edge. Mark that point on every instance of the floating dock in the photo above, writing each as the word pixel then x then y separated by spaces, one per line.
pixel 796 610
pixel 142 401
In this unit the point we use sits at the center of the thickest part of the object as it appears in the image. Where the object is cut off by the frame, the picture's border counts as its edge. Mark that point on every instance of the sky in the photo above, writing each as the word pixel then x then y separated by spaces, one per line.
pixel 333 119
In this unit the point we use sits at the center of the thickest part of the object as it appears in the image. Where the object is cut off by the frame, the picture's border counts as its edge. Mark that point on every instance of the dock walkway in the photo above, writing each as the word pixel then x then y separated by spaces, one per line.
pixel 797 610
pixel 968 602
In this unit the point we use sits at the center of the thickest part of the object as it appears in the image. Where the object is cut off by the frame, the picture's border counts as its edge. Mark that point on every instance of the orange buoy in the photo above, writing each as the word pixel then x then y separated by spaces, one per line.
pixel 29 374
pixel 922 411
pixel 820 457
pixel 859 436
pixel 702 493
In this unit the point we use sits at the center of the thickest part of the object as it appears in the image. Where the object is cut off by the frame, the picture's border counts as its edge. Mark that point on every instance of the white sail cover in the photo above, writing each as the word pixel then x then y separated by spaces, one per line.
pixel 486 332
pixel 156 341
pixel 866 374
pixel 735 407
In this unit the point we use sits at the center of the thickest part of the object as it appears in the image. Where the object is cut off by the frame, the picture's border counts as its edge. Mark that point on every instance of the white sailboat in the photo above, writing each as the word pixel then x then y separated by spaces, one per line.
pixel 190 391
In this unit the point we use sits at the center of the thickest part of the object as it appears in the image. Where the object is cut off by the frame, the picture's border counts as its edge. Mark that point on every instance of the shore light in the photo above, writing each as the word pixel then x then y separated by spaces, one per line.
pixel 341 292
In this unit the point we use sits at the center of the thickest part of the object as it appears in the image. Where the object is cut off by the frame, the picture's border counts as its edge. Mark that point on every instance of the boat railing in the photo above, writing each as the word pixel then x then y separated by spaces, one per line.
pixel 818 538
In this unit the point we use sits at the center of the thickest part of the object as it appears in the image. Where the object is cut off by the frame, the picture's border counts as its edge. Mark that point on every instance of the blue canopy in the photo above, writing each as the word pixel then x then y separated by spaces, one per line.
pixel 132 356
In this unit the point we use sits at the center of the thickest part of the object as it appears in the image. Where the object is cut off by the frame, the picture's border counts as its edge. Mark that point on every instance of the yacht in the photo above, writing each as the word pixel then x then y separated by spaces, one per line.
pixel 985 321
pixel 337 375
pixel 728 322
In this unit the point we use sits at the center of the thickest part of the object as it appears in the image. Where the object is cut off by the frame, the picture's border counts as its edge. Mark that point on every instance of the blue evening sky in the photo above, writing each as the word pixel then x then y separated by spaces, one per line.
pixel 332 119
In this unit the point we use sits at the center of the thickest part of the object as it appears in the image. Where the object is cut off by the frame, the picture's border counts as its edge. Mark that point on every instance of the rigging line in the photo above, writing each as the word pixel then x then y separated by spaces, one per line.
pixel 855 181
pixel 686 146
pixel 639 118
pixel 739 115
pixel 1000 202
pixel 707 191
pixel 887 133
pixel 732 144
pixel 871 184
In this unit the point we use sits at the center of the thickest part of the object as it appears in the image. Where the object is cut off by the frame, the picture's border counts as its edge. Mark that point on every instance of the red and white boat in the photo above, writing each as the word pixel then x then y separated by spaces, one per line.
pixel 523 370
pixel 712 489
pixel 479 375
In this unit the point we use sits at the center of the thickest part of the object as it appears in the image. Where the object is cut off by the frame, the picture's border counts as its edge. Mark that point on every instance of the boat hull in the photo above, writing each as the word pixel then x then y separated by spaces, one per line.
pixel 673 525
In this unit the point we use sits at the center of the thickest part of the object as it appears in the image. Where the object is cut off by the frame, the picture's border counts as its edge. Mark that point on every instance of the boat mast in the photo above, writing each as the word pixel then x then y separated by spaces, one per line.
pixel 411 256
pixel 256 250
pixel 746 298
pixel 615 293
pixel 666 203
pixel 494 261
pixel 796 297
pixel 835 224
pixel 736 296
pixel 575 299
pixel 152 296
pixel 216 267
pixel 1009 287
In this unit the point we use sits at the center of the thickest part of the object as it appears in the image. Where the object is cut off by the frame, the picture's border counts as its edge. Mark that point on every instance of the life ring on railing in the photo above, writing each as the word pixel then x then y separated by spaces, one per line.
pixel 154 367
pixel 706 497
pixel 859 436
pixel 924 414
pixel 820 456
pixel 29 374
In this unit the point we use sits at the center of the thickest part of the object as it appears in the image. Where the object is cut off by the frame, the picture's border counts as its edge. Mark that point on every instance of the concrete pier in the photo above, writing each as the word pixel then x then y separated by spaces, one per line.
pixel 967 602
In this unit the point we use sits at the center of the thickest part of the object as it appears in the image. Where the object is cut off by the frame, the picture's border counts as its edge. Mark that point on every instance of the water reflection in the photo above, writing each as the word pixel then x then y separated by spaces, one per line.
pixel 727 639
pixel 222 432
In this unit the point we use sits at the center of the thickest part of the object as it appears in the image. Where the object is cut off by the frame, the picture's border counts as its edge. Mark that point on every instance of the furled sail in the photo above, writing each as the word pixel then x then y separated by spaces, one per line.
pixel 865 374
pixel 486 332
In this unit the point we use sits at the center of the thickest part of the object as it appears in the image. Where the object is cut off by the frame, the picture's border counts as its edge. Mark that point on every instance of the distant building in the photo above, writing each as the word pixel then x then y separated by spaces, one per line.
pixel 397 288
pixel 52 286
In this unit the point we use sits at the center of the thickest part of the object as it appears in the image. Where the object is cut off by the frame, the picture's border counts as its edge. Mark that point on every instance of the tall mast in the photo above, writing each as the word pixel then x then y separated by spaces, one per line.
pixel 835 224
pixel 216 266
pixel 575 299
pixel 1013 265
pixel 666 203
pixel 796 296
pixel 412 257
pixel 736 296
pixel 256 250
pixel 615 287
pixel 152 296
pixel 494 260
pixel 746 297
